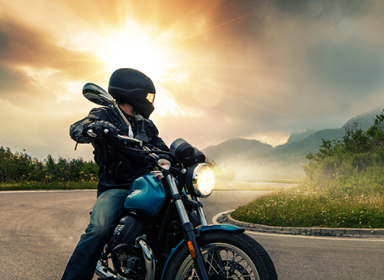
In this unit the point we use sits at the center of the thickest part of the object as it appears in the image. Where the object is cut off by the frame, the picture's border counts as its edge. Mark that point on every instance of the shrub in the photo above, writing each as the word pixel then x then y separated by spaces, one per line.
pixel 20 167
pixel 355 153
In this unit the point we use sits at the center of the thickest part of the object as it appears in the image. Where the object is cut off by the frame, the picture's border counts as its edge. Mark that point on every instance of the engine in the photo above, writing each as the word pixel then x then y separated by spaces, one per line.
pixel 127 258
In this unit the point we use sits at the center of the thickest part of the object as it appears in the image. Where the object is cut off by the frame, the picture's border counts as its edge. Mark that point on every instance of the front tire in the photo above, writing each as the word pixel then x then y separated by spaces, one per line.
pixel 227 256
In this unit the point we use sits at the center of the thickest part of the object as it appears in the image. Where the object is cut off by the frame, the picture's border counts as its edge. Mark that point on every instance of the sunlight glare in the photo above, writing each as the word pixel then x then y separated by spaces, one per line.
pixel 144 48
pixel 165 104
pixel 137 47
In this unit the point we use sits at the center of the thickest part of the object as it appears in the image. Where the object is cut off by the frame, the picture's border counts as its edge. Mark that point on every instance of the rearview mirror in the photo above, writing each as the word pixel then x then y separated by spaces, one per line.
pixel 97 95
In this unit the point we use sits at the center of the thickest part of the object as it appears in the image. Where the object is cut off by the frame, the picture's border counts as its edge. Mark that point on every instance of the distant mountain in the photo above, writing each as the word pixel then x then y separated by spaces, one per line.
pixel 310 144
pixel 296 137
pixel 236 149
pixel 364 121
pixel 251 158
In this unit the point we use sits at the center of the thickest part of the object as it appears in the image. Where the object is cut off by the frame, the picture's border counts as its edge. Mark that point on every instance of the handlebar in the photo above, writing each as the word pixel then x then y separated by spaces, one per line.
pixel 133 141
pixel 130 139
pixel 91 133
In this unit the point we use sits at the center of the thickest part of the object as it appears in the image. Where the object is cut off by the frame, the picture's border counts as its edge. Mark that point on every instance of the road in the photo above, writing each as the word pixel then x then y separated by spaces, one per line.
pixel 40 229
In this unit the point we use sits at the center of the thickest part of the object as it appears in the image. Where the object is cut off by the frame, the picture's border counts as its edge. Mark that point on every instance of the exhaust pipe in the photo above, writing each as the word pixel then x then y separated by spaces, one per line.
pixel 150 265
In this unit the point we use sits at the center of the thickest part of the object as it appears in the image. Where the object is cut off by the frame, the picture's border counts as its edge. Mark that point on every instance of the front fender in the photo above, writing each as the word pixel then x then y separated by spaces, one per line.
pixel 220 227
pixel 201 230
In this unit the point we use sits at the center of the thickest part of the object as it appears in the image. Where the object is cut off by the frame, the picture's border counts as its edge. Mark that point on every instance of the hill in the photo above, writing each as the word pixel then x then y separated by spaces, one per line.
pixel 236 149
pixel 251 158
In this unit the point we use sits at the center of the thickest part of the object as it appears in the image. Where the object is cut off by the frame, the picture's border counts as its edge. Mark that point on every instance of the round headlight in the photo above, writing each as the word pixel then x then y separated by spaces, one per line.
pixel 200 180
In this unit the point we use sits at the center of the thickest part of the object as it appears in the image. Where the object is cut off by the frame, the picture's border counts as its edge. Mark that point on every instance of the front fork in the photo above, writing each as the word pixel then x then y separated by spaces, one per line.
pixel 189 228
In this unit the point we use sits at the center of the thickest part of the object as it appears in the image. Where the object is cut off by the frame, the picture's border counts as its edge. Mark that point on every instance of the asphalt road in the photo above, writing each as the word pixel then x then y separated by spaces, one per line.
pixel 39 230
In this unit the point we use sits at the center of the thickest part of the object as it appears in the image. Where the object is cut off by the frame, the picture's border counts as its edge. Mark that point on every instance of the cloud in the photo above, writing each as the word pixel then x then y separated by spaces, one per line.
pixel 35 69
pixel 23 44
pixel 12 79
pixel 351 66
pixel 290 56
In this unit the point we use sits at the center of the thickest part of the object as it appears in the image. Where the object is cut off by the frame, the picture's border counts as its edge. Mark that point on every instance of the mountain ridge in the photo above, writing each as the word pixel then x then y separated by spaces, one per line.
pixel 252 158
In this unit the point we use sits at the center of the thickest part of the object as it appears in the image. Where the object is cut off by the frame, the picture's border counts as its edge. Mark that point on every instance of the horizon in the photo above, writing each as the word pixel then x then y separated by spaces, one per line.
pixel 312 132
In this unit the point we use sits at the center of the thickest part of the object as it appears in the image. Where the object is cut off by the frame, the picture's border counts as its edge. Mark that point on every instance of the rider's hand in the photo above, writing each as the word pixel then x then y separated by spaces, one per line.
pixel 103 129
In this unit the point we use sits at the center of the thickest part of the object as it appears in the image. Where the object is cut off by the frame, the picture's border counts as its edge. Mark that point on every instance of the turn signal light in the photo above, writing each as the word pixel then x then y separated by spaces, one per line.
pixel 191 250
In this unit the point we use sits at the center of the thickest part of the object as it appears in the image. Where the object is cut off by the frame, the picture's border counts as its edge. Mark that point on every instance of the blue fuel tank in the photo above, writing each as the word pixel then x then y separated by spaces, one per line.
pixel 147 197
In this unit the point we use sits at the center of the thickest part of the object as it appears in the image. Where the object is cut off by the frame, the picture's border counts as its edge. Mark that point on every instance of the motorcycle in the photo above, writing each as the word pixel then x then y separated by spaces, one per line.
pixel 164 233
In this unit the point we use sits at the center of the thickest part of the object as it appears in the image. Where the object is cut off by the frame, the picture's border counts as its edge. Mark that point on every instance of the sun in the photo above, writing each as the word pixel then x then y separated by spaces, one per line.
pixel 147 50
pixel 143 48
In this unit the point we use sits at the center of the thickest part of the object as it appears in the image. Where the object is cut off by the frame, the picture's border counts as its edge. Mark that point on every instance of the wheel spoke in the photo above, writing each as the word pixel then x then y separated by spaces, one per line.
pixel 215 262
pixel 223 261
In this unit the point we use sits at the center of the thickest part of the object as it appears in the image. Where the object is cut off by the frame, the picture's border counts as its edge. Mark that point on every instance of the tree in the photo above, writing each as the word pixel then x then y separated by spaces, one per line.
pixel 355 152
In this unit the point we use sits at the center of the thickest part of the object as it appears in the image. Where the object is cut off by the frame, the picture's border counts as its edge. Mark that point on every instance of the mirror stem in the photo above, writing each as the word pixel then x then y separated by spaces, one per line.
pixel 130 132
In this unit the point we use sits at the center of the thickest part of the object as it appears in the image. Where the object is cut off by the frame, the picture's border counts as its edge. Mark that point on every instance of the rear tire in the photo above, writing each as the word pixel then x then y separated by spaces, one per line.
pixel 227 256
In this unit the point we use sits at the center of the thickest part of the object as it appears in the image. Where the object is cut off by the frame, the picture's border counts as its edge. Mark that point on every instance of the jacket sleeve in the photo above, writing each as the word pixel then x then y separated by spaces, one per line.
pixel 155 139
pixel 78 130
pixel 159 143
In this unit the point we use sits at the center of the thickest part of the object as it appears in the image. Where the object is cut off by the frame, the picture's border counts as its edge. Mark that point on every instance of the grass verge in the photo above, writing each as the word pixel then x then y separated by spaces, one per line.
pixel 318 205
pixel 47 186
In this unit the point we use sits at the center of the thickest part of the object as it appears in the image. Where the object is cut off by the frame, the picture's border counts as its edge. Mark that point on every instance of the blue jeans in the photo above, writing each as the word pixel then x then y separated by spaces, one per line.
pixel 105 216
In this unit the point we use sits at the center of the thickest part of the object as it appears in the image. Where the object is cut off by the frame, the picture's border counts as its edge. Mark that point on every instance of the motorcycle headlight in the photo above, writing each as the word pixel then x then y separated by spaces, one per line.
pixel 200 180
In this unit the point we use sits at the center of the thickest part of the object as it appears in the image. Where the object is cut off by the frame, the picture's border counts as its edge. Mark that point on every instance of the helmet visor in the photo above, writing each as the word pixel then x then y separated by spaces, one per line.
pixel 151 97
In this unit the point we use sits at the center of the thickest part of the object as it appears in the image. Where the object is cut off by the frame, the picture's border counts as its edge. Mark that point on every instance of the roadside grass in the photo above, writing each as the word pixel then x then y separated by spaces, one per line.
pixel 329 204
pixel 47 186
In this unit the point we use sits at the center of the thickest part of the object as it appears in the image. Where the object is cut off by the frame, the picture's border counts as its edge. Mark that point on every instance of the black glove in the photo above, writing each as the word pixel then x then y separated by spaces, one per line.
pixel 103 129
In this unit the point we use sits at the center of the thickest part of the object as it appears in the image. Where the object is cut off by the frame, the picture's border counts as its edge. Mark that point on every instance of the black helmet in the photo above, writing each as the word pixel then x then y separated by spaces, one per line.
pixel 135 88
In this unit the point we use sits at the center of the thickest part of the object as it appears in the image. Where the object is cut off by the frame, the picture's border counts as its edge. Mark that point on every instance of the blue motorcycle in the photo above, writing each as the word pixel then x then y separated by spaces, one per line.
pixel 164 233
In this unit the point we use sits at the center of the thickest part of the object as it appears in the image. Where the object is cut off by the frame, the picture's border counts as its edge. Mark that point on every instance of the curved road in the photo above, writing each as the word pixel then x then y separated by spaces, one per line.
pixel 40 229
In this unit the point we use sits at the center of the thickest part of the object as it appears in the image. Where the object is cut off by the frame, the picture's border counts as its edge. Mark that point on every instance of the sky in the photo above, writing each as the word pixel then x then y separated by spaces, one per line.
pixel 259 69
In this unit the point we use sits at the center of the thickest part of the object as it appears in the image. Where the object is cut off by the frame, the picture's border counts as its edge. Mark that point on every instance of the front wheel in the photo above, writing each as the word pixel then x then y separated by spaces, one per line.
pixel 226 256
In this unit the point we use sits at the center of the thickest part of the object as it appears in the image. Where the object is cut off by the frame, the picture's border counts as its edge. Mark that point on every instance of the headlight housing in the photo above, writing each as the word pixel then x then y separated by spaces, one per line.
pixel 200 180
pixel 187 154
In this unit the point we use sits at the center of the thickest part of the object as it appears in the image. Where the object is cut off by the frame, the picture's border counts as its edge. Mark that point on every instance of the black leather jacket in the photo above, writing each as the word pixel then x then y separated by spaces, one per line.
pixel 118 167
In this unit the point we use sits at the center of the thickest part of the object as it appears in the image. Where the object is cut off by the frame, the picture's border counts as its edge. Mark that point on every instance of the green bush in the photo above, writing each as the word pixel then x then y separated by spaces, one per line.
pixel 354 154
pixel 20 167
